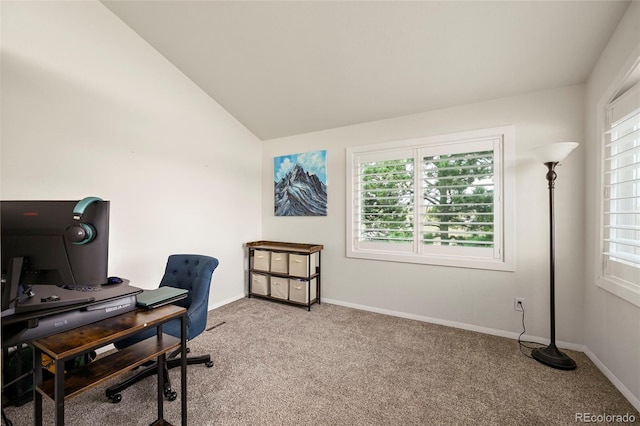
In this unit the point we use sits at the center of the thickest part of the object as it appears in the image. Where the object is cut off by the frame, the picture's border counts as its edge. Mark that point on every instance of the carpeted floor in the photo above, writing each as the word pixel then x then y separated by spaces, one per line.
pixel 281 365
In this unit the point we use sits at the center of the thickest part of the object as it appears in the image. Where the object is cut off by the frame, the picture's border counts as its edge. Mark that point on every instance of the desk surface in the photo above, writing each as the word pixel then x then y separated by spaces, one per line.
pixel 95 335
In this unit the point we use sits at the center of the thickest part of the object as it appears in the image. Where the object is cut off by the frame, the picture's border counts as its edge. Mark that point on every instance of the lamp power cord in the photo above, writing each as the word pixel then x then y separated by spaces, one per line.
pixel 526 344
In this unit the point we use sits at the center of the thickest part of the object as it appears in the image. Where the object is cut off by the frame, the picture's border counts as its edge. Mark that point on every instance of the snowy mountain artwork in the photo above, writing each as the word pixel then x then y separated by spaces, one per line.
pixel 300 184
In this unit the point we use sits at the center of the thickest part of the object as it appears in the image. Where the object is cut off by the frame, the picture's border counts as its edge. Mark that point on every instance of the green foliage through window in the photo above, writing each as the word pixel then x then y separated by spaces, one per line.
pixel 457 200
pixel 387 200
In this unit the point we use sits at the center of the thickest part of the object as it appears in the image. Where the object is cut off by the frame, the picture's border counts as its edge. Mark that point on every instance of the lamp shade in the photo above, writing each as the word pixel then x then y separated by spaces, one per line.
pixel 553 152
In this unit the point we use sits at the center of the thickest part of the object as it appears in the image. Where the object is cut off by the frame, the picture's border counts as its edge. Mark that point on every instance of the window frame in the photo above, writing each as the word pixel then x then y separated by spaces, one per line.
pixel 503 252
pixel 607 277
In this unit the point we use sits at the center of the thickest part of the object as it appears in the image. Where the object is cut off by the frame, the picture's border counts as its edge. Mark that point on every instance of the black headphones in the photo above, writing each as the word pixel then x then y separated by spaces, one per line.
pixel 81 233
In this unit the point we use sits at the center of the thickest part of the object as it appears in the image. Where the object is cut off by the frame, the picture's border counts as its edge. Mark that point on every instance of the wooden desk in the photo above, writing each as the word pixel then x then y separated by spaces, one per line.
pixel 78 341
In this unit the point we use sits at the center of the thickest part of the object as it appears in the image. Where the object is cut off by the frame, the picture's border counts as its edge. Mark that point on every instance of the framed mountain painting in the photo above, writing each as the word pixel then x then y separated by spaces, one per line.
pixel 300 184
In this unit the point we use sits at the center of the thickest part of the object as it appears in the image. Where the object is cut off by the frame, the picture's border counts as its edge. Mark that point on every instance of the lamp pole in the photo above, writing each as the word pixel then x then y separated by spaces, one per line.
pixel 551 355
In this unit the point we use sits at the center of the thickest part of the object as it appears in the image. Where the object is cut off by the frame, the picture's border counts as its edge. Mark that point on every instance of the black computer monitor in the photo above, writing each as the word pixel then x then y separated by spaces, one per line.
pixel 34 235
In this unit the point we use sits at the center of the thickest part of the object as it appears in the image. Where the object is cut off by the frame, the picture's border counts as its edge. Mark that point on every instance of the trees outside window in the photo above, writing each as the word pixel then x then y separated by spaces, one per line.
pixel 459 199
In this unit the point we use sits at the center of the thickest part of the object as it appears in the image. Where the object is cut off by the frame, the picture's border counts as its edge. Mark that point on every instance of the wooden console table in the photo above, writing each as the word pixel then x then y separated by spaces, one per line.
pixel 64 346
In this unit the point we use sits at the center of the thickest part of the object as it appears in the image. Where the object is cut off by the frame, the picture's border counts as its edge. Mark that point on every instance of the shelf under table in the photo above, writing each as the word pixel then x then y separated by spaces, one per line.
pixel 88 376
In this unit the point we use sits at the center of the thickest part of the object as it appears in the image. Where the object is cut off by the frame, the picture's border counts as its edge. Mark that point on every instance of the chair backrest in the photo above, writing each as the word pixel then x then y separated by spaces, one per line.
pixel 191 272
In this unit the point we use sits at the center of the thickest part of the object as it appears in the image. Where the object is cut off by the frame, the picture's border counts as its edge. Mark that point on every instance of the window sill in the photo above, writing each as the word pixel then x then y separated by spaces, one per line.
pixel 621 289
pixel 451 261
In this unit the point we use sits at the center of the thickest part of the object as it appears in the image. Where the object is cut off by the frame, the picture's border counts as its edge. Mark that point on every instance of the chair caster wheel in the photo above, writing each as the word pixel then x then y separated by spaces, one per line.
pixel 170 395
pixel 209 364
pixel 115 398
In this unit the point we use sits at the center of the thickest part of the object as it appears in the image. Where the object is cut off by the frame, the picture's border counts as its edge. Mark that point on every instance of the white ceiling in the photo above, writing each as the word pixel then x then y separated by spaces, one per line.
pixel 291 67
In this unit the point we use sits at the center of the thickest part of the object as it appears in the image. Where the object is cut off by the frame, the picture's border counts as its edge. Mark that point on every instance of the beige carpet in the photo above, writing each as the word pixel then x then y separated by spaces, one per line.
pixel 281 365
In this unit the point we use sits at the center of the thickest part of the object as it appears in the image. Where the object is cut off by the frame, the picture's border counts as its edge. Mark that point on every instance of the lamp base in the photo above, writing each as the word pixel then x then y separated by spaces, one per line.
pixel 552 357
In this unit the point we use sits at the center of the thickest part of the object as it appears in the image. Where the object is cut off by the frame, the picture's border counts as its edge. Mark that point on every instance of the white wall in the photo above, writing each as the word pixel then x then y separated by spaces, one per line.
pixel 612 335
pixel 89 108
pixel 474 299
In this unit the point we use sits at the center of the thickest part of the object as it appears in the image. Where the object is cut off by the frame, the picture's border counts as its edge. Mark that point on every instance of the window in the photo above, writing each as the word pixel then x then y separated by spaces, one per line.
pixel 621 196
pixel 445 200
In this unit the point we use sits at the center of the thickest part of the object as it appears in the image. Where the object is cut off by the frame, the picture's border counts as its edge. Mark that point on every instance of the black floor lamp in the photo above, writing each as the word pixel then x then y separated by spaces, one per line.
pixel 551 155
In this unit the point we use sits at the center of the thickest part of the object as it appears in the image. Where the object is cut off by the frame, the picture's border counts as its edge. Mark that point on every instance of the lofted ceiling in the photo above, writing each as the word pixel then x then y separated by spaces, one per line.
pixel 290 67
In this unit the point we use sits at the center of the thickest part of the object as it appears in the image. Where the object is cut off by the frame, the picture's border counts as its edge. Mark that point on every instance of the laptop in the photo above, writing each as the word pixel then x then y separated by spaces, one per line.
pixel 160 296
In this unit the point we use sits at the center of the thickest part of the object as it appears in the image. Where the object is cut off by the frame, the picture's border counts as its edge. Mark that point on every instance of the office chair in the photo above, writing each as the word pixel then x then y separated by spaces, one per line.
pixel 186 271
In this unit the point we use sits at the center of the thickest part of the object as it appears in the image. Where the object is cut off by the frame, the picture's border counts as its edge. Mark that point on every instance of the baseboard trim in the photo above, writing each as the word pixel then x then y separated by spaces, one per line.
pixel 613 379
pixel 225 302
pixel 105 349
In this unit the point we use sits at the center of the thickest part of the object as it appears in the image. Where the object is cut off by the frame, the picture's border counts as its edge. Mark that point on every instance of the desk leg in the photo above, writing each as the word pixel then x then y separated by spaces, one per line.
pixel 37 381
pixel 183 368
pixel 160 375
pixel 58 392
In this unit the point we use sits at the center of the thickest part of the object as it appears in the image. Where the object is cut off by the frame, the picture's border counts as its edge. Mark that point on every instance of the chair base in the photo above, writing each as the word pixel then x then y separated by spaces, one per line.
pixel 113 392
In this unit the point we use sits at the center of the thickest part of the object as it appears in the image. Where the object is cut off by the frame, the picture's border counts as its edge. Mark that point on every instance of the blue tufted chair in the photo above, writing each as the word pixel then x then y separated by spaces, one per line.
pixel 186 271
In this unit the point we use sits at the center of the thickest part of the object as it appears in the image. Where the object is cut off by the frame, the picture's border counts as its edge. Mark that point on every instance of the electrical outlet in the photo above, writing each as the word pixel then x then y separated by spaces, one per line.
pixel 518 303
